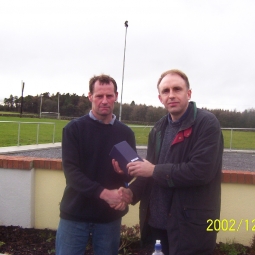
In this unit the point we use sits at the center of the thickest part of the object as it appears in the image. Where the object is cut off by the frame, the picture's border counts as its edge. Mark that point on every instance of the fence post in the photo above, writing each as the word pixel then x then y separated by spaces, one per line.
pixel 231 135
pixel 18 132
pixel 37 134
pixel 53 141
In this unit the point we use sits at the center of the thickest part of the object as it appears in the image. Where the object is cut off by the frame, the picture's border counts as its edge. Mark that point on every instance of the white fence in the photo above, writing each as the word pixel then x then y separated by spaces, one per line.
pixel 252 141
pixel 228 143
pixel 37 129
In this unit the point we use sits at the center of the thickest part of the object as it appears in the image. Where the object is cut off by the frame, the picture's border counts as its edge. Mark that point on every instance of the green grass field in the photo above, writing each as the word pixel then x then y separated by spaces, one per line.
pixel 244 140
pixel 28 132
pixel 12 113
pixel 241 140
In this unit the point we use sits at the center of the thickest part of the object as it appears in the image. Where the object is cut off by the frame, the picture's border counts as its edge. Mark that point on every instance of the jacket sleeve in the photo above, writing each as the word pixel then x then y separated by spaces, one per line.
pixel 203 158
pixel 75 178
pixel 137 187
pixel 140 184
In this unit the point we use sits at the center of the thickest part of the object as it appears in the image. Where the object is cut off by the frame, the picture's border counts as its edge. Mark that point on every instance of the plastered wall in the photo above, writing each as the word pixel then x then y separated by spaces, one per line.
pixel 31 190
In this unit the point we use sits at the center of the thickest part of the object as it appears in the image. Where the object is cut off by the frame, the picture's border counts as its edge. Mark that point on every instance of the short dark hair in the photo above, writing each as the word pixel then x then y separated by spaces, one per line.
pixel 102 79
pixel 177 72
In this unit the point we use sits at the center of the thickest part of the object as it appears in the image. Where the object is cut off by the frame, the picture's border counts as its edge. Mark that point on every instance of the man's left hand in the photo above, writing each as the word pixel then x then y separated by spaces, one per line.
pixel 116 167
pixel 140 168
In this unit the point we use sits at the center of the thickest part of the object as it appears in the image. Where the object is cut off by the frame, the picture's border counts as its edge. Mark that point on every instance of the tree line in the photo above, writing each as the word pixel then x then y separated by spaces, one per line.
pixel 73 105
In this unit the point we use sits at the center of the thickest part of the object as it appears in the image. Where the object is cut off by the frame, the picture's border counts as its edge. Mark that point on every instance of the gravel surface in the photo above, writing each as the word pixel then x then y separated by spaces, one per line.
pixel 231 160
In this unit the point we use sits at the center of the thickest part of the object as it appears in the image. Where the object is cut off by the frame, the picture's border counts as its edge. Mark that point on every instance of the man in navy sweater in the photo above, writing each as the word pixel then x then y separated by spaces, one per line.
pixel 92 187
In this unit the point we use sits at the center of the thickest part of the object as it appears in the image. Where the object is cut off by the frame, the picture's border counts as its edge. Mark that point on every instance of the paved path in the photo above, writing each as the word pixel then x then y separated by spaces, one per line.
pixel 232 160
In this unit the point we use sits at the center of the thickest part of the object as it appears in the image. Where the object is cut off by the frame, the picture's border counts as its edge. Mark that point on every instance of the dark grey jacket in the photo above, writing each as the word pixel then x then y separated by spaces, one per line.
pixel 194 174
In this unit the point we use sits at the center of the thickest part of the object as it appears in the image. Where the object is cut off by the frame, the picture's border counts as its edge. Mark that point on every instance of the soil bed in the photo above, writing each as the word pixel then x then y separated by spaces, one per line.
pixel 29 241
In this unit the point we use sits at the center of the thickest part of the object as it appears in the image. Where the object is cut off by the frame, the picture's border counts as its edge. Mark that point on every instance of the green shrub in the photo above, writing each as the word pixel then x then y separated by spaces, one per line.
pixel 128 236
pixel 232 248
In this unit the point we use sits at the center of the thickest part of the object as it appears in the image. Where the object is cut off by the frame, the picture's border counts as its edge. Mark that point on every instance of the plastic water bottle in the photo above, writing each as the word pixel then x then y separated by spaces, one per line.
pixel 158 248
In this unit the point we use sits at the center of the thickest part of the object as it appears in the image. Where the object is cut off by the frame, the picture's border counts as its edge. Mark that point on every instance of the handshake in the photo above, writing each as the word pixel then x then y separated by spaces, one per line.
pixel 117 198
pixel 120 198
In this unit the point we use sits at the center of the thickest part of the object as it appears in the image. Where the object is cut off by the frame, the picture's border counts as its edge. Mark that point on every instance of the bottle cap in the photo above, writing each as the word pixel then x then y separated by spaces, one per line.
pixel 157 245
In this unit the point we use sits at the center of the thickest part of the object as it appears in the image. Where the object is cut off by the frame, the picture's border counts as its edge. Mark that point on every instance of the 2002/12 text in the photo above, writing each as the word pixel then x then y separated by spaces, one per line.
pixel 230 225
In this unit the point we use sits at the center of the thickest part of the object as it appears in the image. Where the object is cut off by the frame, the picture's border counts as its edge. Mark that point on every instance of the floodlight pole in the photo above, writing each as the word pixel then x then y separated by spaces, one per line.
pixel 126 25
pixel 21 104
pixel 58 105
pixel 41 107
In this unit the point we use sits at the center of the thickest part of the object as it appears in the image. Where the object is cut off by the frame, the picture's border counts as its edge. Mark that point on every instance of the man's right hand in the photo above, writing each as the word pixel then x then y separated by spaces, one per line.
pixel 112 197
pixel 117 199
pixel 126 195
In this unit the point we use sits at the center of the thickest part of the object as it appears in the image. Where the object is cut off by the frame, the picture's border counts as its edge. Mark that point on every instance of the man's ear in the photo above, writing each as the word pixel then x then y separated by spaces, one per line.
pixel 116 95
pixel 189 94
pixel 90 97
pixel 160 99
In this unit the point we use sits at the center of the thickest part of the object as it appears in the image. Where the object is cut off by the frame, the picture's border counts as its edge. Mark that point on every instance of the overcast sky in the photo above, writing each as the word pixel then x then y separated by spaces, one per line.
pixel 57 46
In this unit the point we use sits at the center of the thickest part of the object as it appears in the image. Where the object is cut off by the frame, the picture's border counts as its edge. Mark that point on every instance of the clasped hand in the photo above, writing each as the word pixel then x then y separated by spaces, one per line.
pixel 139 168
pixel 117 199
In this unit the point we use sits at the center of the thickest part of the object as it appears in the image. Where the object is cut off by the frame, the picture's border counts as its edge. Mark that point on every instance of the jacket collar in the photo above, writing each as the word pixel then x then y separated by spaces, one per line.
pixel 191 114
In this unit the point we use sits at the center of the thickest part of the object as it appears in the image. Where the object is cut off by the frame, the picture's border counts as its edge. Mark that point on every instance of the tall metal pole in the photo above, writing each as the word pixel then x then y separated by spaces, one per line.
pixel 22 90
pixel 41 107
pixel 126 25
pixel 58 105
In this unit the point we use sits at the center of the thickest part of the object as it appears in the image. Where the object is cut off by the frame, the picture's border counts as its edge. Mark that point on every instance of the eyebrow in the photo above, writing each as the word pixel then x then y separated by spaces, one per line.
pixel 165 90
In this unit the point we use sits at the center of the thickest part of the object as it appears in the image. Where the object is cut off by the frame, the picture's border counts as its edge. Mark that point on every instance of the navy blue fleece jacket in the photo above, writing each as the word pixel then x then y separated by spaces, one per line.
pixel 86 145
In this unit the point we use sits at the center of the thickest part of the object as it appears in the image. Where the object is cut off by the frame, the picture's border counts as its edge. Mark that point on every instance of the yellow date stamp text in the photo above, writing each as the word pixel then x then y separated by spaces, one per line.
pixel 231 225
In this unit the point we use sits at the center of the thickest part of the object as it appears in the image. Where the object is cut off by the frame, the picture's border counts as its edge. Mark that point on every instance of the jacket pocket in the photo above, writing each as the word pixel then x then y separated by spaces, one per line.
pixel 198 216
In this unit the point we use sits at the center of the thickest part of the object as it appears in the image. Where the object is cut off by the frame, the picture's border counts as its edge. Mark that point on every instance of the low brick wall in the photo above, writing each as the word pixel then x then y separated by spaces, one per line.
pixel 31 190
pixel 27 163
